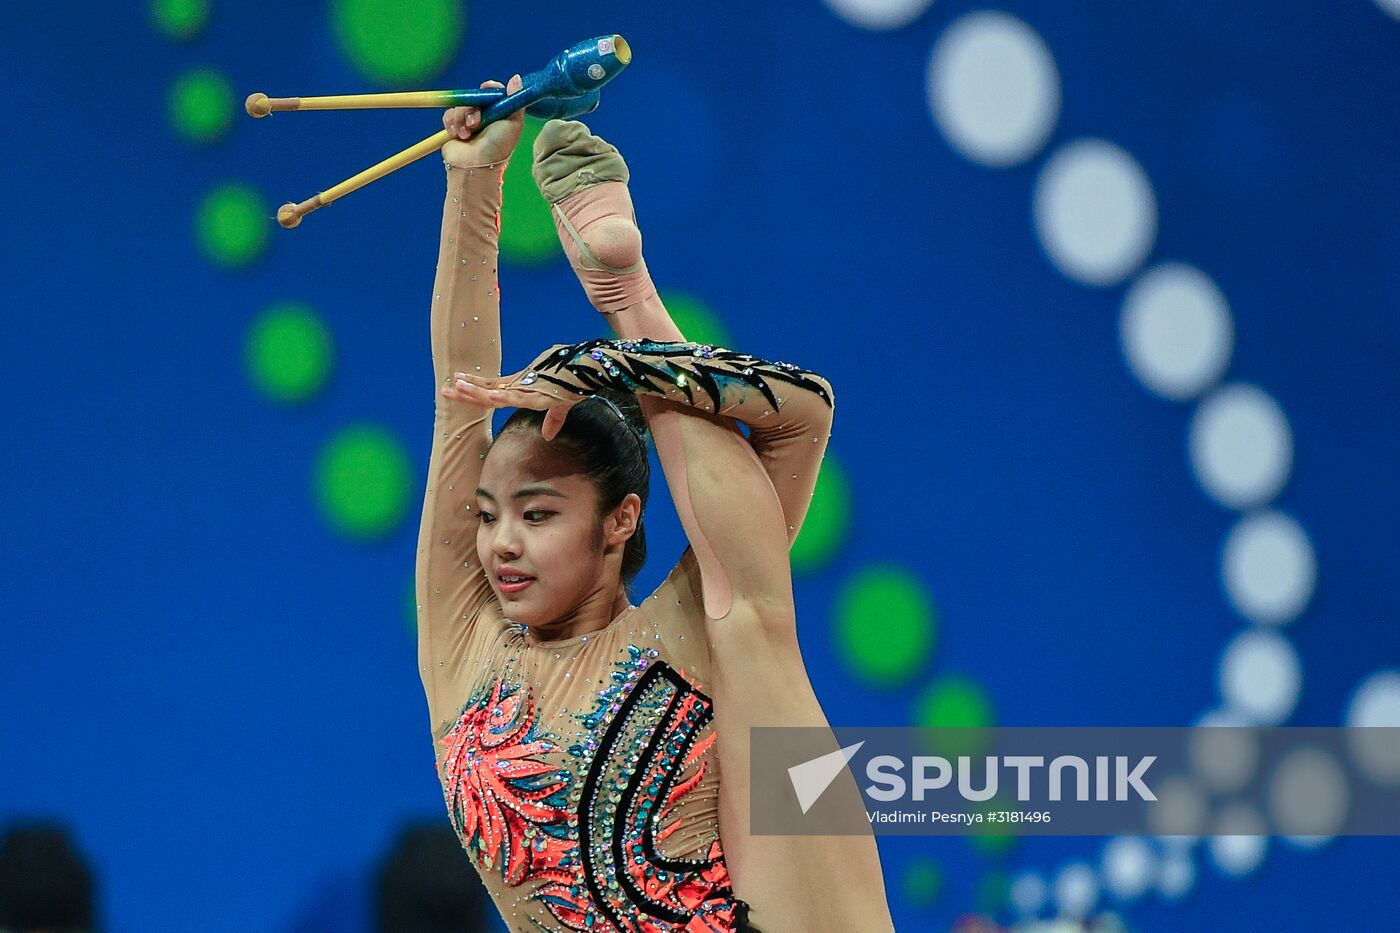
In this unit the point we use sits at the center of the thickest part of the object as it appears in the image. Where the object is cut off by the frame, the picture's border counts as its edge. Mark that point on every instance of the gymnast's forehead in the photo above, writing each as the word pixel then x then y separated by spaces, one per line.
pixel 522 455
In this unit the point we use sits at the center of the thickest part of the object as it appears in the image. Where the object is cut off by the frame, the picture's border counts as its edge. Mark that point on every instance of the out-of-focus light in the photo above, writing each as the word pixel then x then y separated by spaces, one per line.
pixel 1260 678
pixel 1180 812
pixel 885 625
pixel 1268 568
pixel 879 15
pixel 1238 845
pixel 1076 891
pixel 1176 875
pixel 1241 446
pixel 1028 892
pixel 1223 756
pixel 399 42
pixel 1308 795
pixel 1095 212
pixel 1376 704
pixel 1176 331
pixel 993 88
pixel 1128 867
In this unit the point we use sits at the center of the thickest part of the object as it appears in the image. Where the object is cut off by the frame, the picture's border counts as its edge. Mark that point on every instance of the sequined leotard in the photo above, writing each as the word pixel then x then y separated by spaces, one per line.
pixel 582 775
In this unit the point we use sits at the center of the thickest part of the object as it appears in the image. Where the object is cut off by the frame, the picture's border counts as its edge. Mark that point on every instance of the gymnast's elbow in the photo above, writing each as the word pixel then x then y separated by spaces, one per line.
pixel 810 404
pixel 811 385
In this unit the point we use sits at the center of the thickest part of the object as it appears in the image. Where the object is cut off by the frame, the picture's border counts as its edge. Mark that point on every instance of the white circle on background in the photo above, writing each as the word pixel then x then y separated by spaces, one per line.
pixel 1219 718
pixel 1176 875
pixel 1376 702
pixel 1076 891
pixel 1373 721
pixel 1128 867
pixel 1260 678
pixel 993 88
pixel 1095 212
pixel 1028 893
pixel 1268 568
pixel 1241 446
pixel 1223 755
pixel 1176 331
pixel 879 15
pixel 1308 795
pixel 1390 6
pixel 1179 814
pixel 1237 844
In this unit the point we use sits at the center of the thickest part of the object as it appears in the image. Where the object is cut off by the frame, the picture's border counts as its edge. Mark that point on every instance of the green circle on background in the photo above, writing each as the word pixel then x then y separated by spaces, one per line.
pixel 233 225
pixel 528 236
pixel 398 42
pixel 288 353
pixel 959 705
pixel 363 481
pixel 201 105
pixel 995 839
pixel 993 892
pixel 922 882
pixel 954 702
pixel 993 843
pixel 695 319
pixel 180 19
pixel 885 625
pixel 828 519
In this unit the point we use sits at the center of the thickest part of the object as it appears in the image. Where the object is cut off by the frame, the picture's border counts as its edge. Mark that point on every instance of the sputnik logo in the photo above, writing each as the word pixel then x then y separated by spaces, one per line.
pixel 811 778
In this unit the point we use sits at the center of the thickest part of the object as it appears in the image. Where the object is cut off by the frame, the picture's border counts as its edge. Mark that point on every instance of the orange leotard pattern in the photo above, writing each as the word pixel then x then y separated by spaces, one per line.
pixel 581 778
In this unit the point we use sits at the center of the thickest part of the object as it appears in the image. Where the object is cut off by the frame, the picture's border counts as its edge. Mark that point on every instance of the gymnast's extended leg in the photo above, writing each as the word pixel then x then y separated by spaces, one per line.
pixel 585 180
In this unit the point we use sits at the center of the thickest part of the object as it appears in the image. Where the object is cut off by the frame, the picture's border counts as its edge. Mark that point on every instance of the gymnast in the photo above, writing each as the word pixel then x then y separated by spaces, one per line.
pixel 593 752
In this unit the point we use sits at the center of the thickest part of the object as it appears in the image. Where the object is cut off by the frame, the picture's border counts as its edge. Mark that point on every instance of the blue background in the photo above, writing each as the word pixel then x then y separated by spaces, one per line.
pixel 218 692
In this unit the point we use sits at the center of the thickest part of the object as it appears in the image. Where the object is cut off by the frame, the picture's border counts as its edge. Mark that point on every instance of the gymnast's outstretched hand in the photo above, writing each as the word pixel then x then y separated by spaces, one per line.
pixel 518 390
pixel 474 145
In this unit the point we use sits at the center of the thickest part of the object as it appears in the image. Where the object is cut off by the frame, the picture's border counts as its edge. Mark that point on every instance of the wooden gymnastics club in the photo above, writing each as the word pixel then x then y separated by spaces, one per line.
pixel 260 105
pixel 568 86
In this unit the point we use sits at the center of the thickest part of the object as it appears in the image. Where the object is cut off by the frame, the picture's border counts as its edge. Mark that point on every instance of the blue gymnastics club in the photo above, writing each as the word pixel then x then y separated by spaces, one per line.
pixel 567 87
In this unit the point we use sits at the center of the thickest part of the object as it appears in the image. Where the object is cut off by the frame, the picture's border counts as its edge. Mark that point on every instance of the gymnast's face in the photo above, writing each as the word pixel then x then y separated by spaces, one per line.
pixel 538 519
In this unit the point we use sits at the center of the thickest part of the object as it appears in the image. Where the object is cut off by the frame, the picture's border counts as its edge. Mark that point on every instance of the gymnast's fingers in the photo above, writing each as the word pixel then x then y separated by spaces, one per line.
pixel 504 391
pixel 464 391
pixel 453 121
pixel 484 382
pixel 553 422
pixel 512 86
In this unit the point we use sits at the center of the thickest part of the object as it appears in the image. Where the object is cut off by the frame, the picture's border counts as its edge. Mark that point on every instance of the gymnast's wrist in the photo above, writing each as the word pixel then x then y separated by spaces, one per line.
pixel 485 170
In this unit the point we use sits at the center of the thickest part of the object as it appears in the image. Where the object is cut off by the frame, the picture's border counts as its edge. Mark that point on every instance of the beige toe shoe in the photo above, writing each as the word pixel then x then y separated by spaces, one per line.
pixel 569 157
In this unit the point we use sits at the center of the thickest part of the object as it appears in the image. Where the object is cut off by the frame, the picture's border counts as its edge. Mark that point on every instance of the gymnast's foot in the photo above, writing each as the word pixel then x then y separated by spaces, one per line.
pixel 584 179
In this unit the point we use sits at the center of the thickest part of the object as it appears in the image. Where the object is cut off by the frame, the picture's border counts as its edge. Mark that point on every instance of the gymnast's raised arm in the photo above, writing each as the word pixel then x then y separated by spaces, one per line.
pixel 464 321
